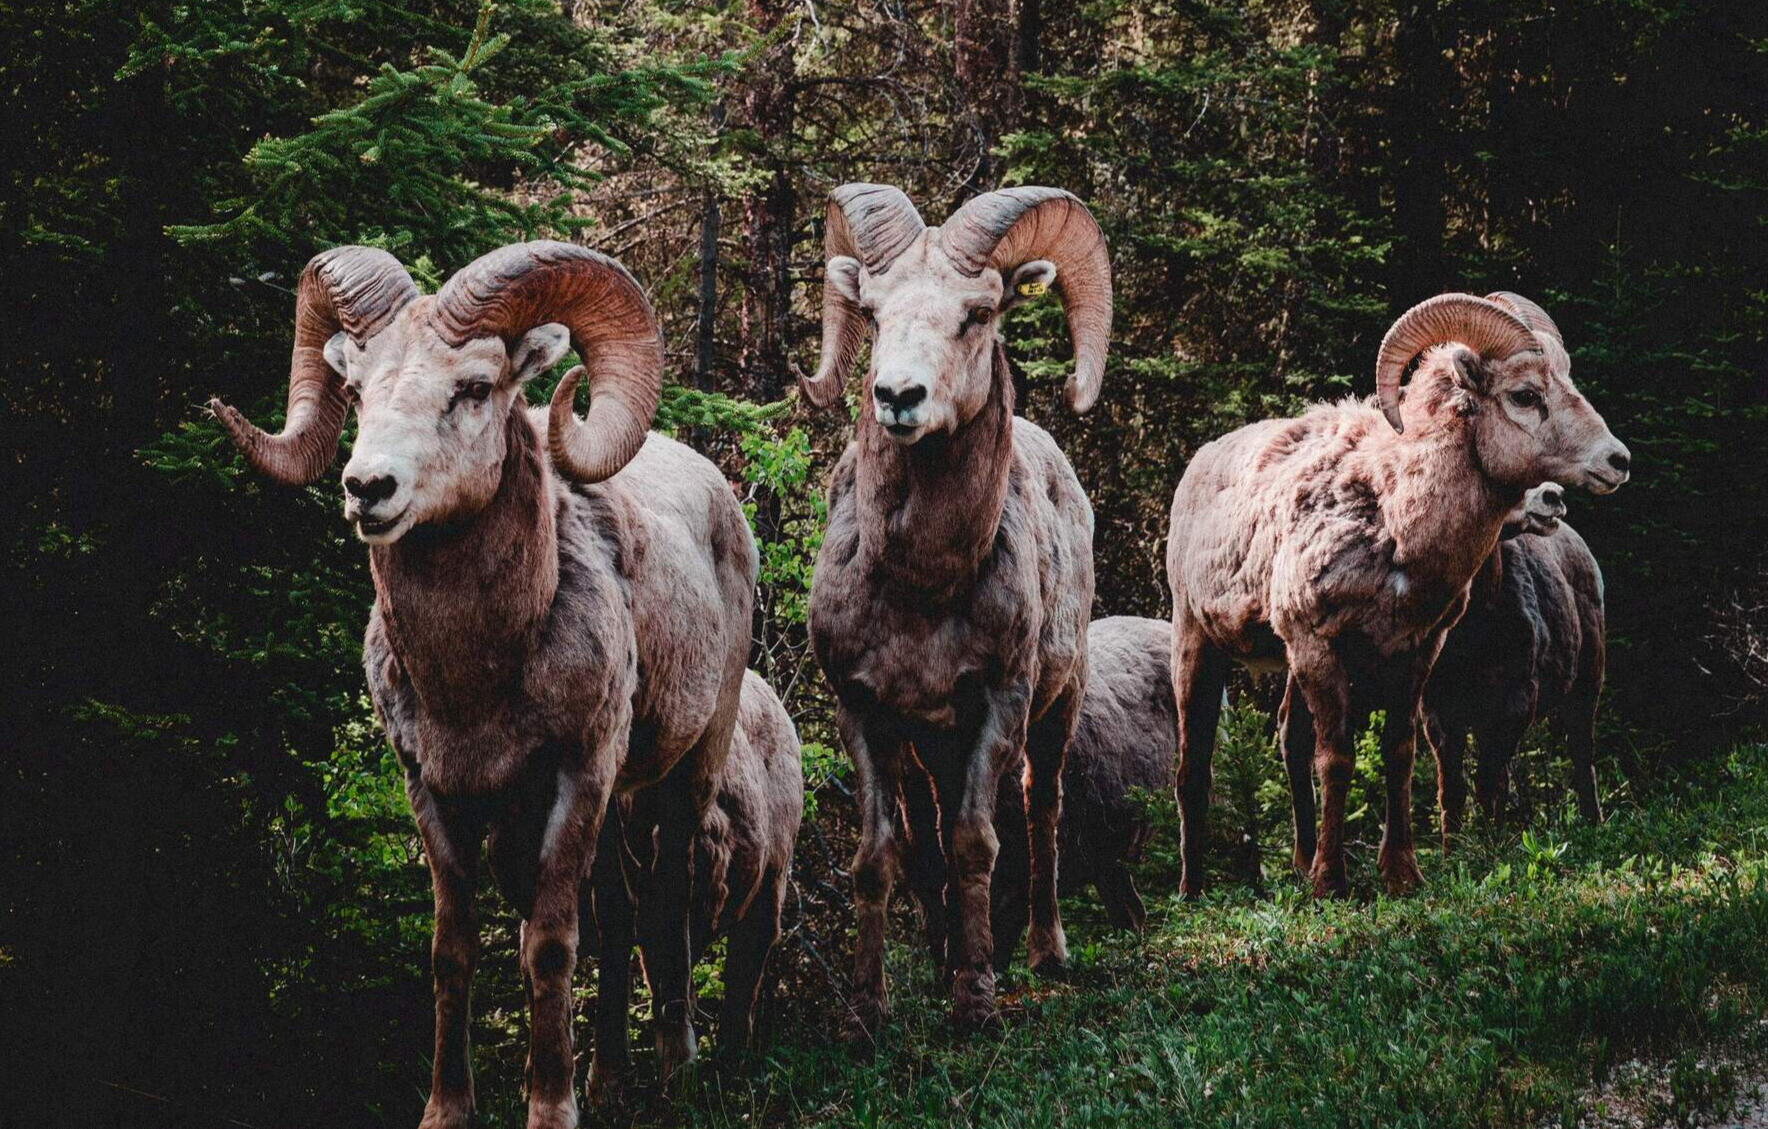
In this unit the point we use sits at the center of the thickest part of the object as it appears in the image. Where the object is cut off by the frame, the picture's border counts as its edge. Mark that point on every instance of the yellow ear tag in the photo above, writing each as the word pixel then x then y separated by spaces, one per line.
pixel 1033 289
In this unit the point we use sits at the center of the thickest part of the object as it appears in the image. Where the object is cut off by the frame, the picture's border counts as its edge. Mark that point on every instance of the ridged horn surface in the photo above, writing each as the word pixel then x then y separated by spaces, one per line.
pixel 613 329
pixel 873 223
pixel 1487 328
pixel 1013 226
pixel 1533 316
pixel 358 290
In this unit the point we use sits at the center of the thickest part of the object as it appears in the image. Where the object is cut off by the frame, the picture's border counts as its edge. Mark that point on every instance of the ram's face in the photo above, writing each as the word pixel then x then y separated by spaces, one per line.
pixel 933 336
pixel 1539 512
pixel 1533 425
pixel 430 440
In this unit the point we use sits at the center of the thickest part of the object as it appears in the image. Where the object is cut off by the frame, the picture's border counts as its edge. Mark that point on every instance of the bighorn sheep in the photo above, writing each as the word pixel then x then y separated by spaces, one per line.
pixel 1341 543
pixel 1124 742
pixel 951 597
pixel 546 633
pixel 742 865
pixel 1529 646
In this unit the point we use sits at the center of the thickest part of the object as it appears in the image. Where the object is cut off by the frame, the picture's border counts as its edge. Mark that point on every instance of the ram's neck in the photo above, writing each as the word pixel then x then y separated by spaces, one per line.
pixel 464 603
pixel 934 508
pixel 1445 515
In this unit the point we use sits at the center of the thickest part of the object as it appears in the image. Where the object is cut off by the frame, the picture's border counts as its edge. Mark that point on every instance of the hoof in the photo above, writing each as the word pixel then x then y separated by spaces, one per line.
pixel 976 1015
pixel 1047 954
pixel 675 1049
pixel 445 1117
pixel 973 1002
pixel 553 1115
pixel 1051 967
pixel 864 1016
pixel 605 1089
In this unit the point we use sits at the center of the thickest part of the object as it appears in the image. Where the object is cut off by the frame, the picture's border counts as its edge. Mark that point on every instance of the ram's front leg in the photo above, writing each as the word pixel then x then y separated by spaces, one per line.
pixel 451 846
pixel 1046 746
pixel 550 935
pixel 1397 859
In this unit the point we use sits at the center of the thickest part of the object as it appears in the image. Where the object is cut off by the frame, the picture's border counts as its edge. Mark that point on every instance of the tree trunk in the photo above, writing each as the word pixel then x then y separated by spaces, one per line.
pixel 1416 144
pixel 766 110
pixel 988 48
pixel 706 350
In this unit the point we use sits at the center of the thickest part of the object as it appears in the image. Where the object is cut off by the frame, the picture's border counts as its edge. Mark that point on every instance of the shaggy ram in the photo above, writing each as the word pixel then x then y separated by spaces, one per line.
pixel 952 593
pixel 1341 544
pixel 547 632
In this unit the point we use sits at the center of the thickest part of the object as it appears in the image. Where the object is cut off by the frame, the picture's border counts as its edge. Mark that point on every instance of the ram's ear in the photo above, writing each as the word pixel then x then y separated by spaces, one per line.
pixel 1469 368
pixel 337 353
pixel 1028 282
pixel 841 274
pixel 538 350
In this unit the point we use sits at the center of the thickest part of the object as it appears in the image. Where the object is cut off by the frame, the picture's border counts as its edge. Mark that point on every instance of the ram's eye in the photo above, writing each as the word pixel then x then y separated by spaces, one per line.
pixel 1526 398
pixel 473 390
pixel 979 315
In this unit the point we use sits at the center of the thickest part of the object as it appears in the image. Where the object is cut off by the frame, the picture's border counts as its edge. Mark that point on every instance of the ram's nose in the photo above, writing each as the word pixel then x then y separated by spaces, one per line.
pixel 371 489
pixel 898 395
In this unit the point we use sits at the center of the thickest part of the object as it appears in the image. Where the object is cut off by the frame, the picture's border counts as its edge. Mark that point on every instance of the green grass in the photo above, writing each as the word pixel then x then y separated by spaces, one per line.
pixel 1511 984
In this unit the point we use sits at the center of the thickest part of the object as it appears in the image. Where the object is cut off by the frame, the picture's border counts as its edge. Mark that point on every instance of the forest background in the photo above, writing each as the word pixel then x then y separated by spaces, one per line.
pixel 207 876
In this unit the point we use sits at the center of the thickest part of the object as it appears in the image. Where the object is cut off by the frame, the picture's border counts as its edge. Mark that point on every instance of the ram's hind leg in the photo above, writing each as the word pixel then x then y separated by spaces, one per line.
pixel 1497 737
pixel 1326 686
pixel 665 899
pixel 1295 733
pixel 877 760
pixel 926 866
pixel 1577 721
pixel 1123 905
pixel 1398 861
pixel 745 962
pixel 1200 675
pixel 1046 747
pixel 1449 743
pixel 613 925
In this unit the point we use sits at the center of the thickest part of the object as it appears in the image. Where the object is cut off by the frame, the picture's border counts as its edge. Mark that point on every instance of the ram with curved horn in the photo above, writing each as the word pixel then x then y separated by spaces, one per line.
pixel 1340 544
pixel 950 604
pixel 524 605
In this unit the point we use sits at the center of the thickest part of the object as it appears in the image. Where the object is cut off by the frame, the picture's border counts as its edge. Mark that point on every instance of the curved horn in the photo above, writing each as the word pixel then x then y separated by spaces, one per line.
pixel 1483 326
pixel 1533 316
pixel 873 223
pixel 511 290
pixel 1016 225
pixel 354 289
